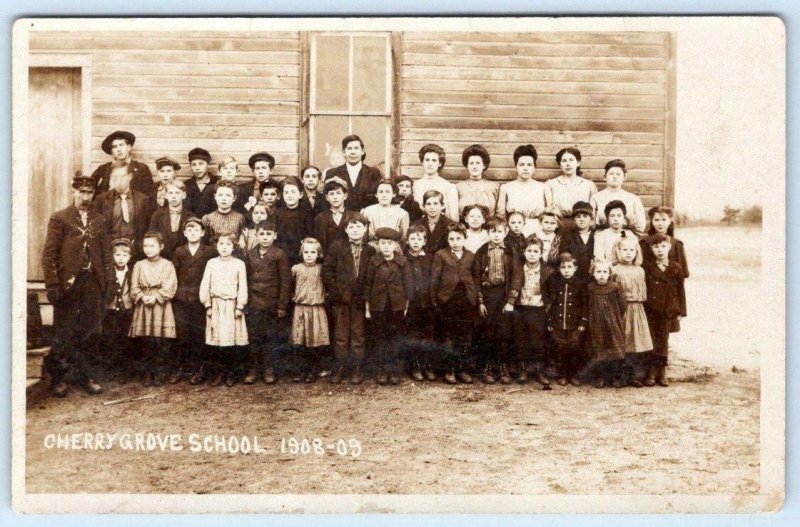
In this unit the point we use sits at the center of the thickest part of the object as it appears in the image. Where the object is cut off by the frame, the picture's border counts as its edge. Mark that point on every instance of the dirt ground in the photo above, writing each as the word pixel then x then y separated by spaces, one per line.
pixel 699 436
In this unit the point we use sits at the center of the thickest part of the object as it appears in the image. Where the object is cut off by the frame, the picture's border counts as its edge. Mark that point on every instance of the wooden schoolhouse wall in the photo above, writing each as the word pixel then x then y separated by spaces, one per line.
pixel 609 94
pixel 232 93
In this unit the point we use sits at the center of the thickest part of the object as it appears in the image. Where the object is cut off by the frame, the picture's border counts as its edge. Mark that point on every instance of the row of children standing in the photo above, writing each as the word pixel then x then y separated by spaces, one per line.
pixel 449 275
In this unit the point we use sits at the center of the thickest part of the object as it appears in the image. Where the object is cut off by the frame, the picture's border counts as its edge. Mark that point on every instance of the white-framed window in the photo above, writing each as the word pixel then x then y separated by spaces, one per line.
pixel 351 93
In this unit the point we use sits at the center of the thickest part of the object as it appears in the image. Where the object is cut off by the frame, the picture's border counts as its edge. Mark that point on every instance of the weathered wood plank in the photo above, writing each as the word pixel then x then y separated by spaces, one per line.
pixel 548 162
pixel 192 69
pixel 189 95
pixel 533 124
pixel 545 150
pixel 202 58
pixel 494 173
pixel 566 137
pixel 221 145
pixel 182 34
pixel 530 112
pixel 533 49
pixel 473 86
pixel 210 131
pixel 264 109
pixel 569 100
pixel 176 81
pixel 156 42
pixel 517 61
pixel 531 74
pixel 542 37
pixel 278 124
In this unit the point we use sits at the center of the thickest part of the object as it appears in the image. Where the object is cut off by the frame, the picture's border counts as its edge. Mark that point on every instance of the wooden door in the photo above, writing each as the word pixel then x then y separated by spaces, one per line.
pixel 54 124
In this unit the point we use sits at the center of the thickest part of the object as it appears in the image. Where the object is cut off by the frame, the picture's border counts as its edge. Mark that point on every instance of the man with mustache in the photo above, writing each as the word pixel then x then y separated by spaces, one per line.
pixel 74 261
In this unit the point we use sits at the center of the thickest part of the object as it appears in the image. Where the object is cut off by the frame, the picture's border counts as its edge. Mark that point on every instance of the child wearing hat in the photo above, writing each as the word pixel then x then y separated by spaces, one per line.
pixel 190 261
pixel 119 145
pixel 166 169
pixel 200 188
pixel 405 196
pixel 580 241
pixel 475 190
pixel 169 220
pixel 118 359
pixel 261 165
pixel 387 290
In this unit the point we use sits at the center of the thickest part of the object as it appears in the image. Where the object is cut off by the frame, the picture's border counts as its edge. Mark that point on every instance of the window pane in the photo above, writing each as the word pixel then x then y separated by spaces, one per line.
pixel 372 131
pixel 369 75
pixel 332 75
pixel 328 133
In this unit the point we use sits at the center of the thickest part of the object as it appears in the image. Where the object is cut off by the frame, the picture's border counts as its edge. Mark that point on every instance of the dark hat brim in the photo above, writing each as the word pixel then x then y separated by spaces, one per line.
pixel 119 134
pixel 261 156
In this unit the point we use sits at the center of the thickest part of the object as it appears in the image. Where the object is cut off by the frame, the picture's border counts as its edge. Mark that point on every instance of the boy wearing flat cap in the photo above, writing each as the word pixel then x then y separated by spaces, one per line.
pixel 200 188
pixel 166 169
pixel 74 262
pixel 261 163
pixel 119 145
pixel 387 289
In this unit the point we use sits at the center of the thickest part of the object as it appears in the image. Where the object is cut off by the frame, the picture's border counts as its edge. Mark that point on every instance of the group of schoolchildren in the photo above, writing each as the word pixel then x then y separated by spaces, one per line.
pixel 220 282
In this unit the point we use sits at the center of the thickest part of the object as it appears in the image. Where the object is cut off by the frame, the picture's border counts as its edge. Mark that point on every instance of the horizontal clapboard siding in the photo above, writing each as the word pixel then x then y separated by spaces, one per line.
pixel 606 93
pixel 231 93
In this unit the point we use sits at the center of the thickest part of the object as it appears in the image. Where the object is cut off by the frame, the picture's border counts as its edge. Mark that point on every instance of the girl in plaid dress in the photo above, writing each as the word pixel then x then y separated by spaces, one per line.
pixel 606 316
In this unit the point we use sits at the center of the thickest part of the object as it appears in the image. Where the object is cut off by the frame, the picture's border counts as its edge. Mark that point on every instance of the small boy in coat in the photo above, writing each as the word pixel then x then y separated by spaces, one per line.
pixel 169 220
pixel 118 360
pixel 418 338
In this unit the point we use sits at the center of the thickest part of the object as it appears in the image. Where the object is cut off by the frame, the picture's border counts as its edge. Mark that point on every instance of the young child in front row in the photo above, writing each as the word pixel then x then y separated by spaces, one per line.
pixel 530 317
pixel 491 270
pixel 153 284
pixel 418 339
pixel 223 291
pixel 269 278
pixel 117 355
pixel 387 290
pixel 454 293
pixel 474 217
pixel 343 272
pixel 190 314
pixel 605 314
pixel 565 298
pixel 309 323
pixel 629 274
pixel 664 279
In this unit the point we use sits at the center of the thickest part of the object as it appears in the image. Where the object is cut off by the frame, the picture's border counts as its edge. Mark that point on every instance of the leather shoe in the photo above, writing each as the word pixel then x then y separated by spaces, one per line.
pixel 617 383
pixel 382 378
pixel 599 383
pixel 417 375
pixel 488 378
pixel 159 379
pixel 465 377
pixel 269 376
pixel 541 379
pixel 661 376
pixel 337 376
pixel 93 387
pixel 310 377
pixel 251 376
pixel 356 377
pixel 217 381
pixel 429 375
pixel 562 381
pixel 60 389
pixel 197 377
pixel 450 377
pixel 394 378
pixel 175 378
pixel 650 380
pixel 505 378
pixel 230 380
pixel 575 381
pixel 523 377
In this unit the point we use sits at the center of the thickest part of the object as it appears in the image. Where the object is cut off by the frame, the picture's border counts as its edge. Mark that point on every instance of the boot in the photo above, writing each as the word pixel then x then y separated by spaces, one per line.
pixel 488 378
pixel 540 377
pixel 416 373
pixel 382 378
pixel 59 389
pixel 575 381
pixel 650 380
pixel 269 376
pixel 599 382
pixel 450 377
pixel 197 376
pixel 338 373
pixel 230 379
pixel 522 378
pixel 310 377
pixel 429 375
pixel 159 379
pixel 465 377
pixel 661 376
pixel 217 381
pixel 505 378
pixel 92 387
pixel 251 376
pixel 394 378
pixel 175 378
pixel 356 377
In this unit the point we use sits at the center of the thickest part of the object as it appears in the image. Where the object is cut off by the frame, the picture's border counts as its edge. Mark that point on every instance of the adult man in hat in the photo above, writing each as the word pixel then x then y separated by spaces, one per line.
pixel 119 145
pixel 261 163
pixel 200 188
pixel 74 261
pixel 362 180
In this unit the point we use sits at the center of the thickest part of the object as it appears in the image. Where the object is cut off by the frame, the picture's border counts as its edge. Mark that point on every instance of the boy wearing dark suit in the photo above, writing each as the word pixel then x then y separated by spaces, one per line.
pixel 330 224
pixel 126 211
pixel 169 220
pixel 117 355
pixel 190 314
pixel 269 289
pixel 664 279
pixel 362 180
pixel 200 188
pixel 435 222
pixel 119 145
pixel 405 197
pixel 311 198
pixel 74 263
pixel 261 163
pixel 343 273
pixel 419 319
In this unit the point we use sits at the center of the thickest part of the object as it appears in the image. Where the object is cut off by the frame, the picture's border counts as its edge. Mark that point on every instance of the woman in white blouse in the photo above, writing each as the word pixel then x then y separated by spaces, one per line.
pixel 524 194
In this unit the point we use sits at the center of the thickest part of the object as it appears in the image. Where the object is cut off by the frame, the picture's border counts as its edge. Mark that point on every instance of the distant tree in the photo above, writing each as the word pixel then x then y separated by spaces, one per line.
pixel 752 214
pixel 730 215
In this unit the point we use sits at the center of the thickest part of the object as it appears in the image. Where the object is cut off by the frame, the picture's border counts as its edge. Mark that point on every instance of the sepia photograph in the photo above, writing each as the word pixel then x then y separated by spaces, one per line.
pixel 398 265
